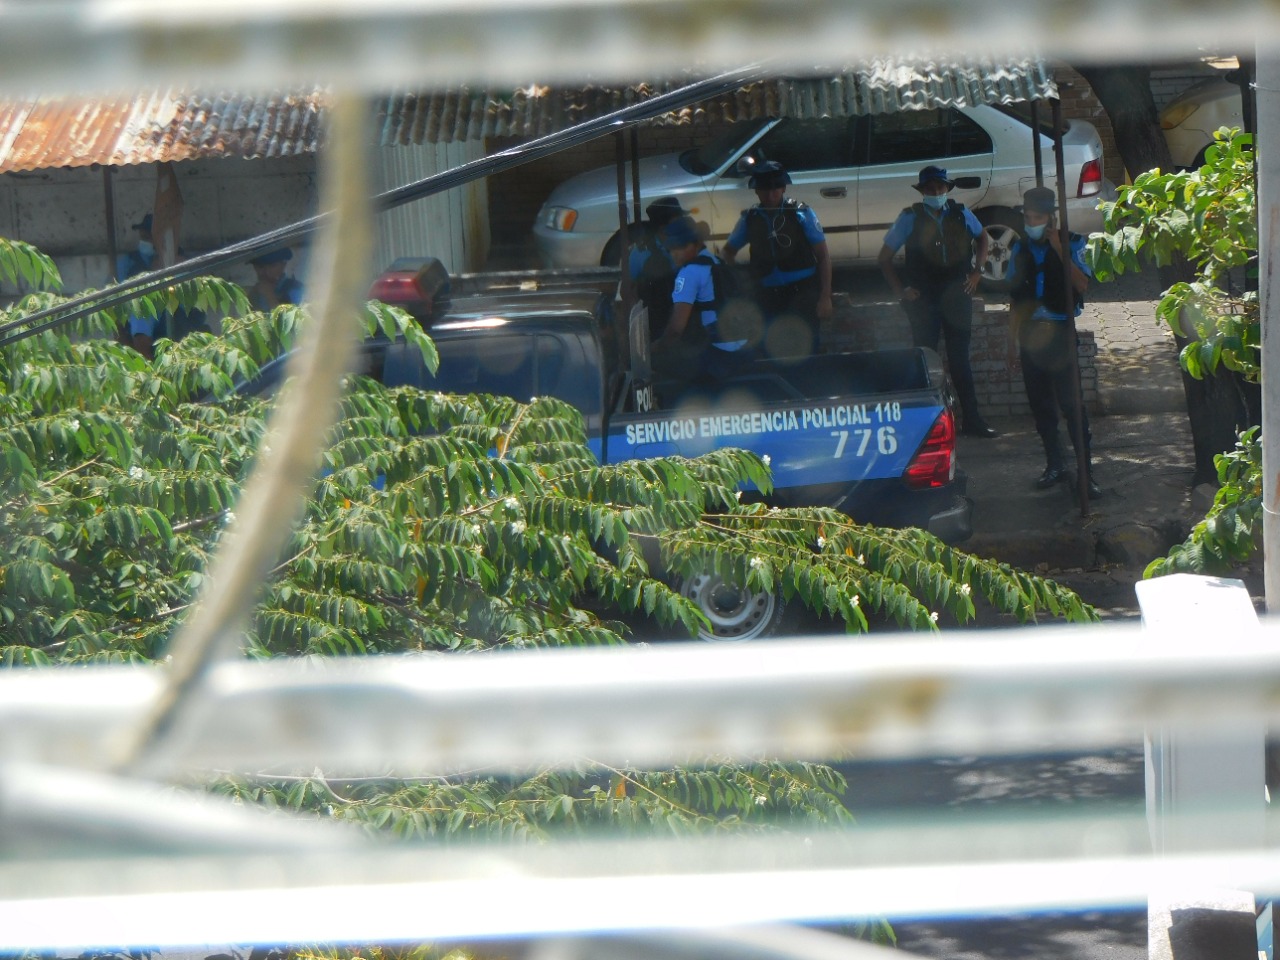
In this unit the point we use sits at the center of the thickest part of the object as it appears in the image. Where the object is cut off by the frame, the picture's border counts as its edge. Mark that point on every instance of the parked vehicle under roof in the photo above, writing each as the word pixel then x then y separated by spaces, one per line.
pixel 855 172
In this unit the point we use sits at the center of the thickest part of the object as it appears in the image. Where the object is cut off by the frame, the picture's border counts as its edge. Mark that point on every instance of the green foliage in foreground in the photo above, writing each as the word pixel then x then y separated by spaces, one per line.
pixel 1209 217
pixel 437 523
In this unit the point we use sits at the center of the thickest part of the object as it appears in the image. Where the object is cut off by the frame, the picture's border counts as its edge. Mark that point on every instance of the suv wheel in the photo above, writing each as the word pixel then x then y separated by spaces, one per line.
pixel 734 613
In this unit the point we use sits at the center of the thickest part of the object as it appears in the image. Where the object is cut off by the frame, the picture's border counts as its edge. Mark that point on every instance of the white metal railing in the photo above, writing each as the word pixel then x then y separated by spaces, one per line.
pixel 93 857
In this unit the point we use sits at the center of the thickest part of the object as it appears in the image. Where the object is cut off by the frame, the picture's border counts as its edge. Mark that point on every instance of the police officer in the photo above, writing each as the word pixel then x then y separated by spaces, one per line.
pixel 650 265
pixel 1038 312
pixel 273 287
pixel 945 246
pixel 790 263
pixel 694 342
pixel 144 331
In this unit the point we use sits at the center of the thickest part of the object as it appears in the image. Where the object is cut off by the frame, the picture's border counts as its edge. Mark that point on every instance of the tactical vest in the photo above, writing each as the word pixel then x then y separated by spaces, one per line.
pixel 654 283
pixel 1024 294
pixel 777 240
pixel 695 333
pixel 938 253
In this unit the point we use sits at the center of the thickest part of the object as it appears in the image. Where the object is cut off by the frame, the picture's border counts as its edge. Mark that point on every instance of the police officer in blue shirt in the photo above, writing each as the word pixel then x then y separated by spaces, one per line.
pixel 790 263
pixel 650 265
pixel 945 245
pixel 694 343
pixel 273 287
pixel 144 331
pixel 1038 312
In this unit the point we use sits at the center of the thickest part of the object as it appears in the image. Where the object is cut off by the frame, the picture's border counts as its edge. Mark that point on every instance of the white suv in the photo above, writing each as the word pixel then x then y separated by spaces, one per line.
pixel 855 172
pixel 1190 120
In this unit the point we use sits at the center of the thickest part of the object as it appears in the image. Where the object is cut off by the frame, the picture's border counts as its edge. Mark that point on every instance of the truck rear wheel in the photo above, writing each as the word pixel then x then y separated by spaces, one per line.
pixel 612 251
pixel 734 613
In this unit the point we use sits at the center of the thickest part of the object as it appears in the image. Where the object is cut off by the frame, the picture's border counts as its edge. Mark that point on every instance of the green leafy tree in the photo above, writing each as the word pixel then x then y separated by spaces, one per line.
pixel 119 477
pixel 1208 217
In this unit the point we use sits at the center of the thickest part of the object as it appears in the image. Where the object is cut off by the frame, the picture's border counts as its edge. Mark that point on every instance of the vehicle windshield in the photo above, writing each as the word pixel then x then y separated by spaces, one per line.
pixel 710 157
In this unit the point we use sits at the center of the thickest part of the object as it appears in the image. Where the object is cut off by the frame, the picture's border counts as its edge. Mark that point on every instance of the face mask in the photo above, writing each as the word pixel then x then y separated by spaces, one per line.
pixel 146 248
pixel 1037 232
pixel 935 203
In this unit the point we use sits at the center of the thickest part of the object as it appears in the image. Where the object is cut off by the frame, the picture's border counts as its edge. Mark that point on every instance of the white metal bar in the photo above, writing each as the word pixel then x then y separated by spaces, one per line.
pixel 57 45
pixel 645 706
pixel 429 894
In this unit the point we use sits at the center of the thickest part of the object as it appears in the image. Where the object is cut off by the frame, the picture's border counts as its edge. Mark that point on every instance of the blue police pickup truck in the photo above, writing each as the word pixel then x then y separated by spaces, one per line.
pixel 871 434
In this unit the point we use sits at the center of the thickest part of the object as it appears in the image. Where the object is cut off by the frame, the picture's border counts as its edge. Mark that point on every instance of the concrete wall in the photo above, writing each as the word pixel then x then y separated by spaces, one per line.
pixel 453 226
pixel 63 211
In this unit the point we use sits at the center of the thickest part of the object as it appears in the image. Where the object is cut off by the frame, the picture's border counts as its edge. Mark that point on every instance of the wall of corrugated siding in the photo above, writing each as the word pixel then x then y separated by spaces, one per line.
pixel 453 226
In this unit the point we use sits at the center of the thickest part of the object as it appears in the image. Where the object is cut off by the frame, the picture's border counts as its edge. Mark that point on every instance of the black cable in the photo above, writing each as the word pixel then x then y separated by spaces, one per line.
pixel 573 136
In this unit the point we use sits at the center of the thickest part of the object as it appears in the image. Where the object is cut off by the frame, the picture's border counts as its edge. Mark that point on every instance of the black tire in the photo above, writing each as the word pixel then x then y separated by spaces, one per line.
pixel 1003 228
pixel 735 614
pixel 612 251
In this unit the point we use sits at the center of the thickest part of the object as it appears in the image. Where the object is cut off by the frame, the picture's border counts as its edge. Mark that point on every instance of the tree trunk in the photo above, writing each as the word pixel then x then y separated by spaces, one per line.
pixel 1215 406
pixel 1125 93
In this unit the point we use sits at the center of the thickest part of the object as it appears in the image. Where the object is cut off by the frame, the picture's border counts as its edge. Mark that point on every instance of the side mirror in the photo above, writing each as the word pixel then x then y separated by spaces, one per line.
pixel 746 164
pixel 968 183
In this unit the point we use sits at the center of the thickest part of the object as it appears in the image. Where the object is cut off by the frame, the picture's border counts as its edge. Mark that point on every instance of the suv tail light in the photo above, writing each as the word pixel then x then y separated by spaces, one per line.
pixel 1090 179
pixel 417 284
pixel 934 464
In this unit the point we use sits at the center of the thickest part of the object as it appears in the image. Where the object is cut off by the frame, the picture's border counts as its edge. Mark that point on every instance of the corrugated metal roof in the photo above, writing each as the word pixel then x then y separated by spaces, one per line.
pixel 169 125
pixel 178 125
pixel 882 85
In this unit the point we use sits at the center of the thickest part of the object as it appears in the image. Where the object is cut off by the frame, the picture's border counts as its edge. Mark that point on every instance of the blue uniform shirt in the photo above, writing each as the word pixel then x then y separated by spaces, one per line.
pixel 1038 249
pixel 695 286
pixel 812 232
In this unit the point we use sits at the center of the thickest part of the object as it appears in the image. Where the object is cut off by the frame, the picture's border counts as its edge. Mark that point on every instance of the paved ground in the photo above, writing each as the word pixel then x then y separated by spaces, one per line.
pixel 1141 447
pixel 1142 454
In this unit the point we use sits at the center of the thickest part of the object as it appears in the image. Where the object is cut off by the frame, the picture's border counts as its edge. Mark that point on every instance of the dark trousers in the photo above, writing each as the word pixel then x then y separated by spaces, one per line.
pixel 1046 348
pixel 791 318
pixel 948 311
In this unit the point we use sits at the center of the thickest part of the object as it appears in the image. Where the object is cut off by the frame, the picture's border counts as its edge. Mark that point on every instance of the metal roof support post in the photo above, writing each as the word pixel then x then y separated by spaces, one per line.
pixel 1268 205
pixel 109 211
pixel 1077 434
pixel 1035 141
pixel 624 233
pixel 635 175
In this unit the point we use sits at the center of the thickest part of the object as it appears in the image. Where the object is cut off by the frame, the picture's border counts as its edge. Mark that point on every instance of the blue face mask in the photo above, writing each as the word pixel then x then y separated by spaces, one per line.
pixel 146 248
pixel 935 203
pixel 1037 232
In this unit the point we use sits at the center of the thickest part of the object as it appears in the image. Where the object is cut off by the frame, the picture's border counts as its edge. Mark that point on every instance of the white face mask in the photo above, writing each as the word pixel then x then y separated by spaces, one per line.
pixel 1037 232
pixel 146 248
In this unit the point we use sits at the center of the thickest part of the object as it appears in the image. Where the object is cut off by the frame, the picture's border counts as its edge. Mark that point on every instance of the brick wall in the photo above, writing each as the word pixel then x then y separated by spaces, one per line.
pixel 1169 80
pixel 1080 102
pixel 878 326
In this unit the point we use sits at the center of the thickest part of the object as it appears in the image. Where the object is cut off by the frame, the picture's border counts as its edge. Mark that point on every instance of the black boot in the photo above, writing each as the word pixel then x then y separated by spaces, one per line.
pixel 1054 472
pixel 1091 485
pixel 975 426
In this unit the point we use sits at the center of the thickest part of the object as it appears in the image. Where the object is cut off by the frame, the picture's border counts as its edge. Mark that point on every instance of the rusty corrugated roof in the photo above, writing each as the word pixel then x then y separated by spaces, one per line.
pixel 169 125
pixel 176 125
pixel 882 85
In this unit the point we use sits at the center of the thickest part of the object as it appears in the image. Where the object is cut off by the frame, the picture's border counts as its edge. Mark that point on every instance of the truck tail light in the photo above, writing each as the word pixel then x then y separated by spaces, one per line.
pixel 416 284
pixel 934 464
pixel 1090 179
